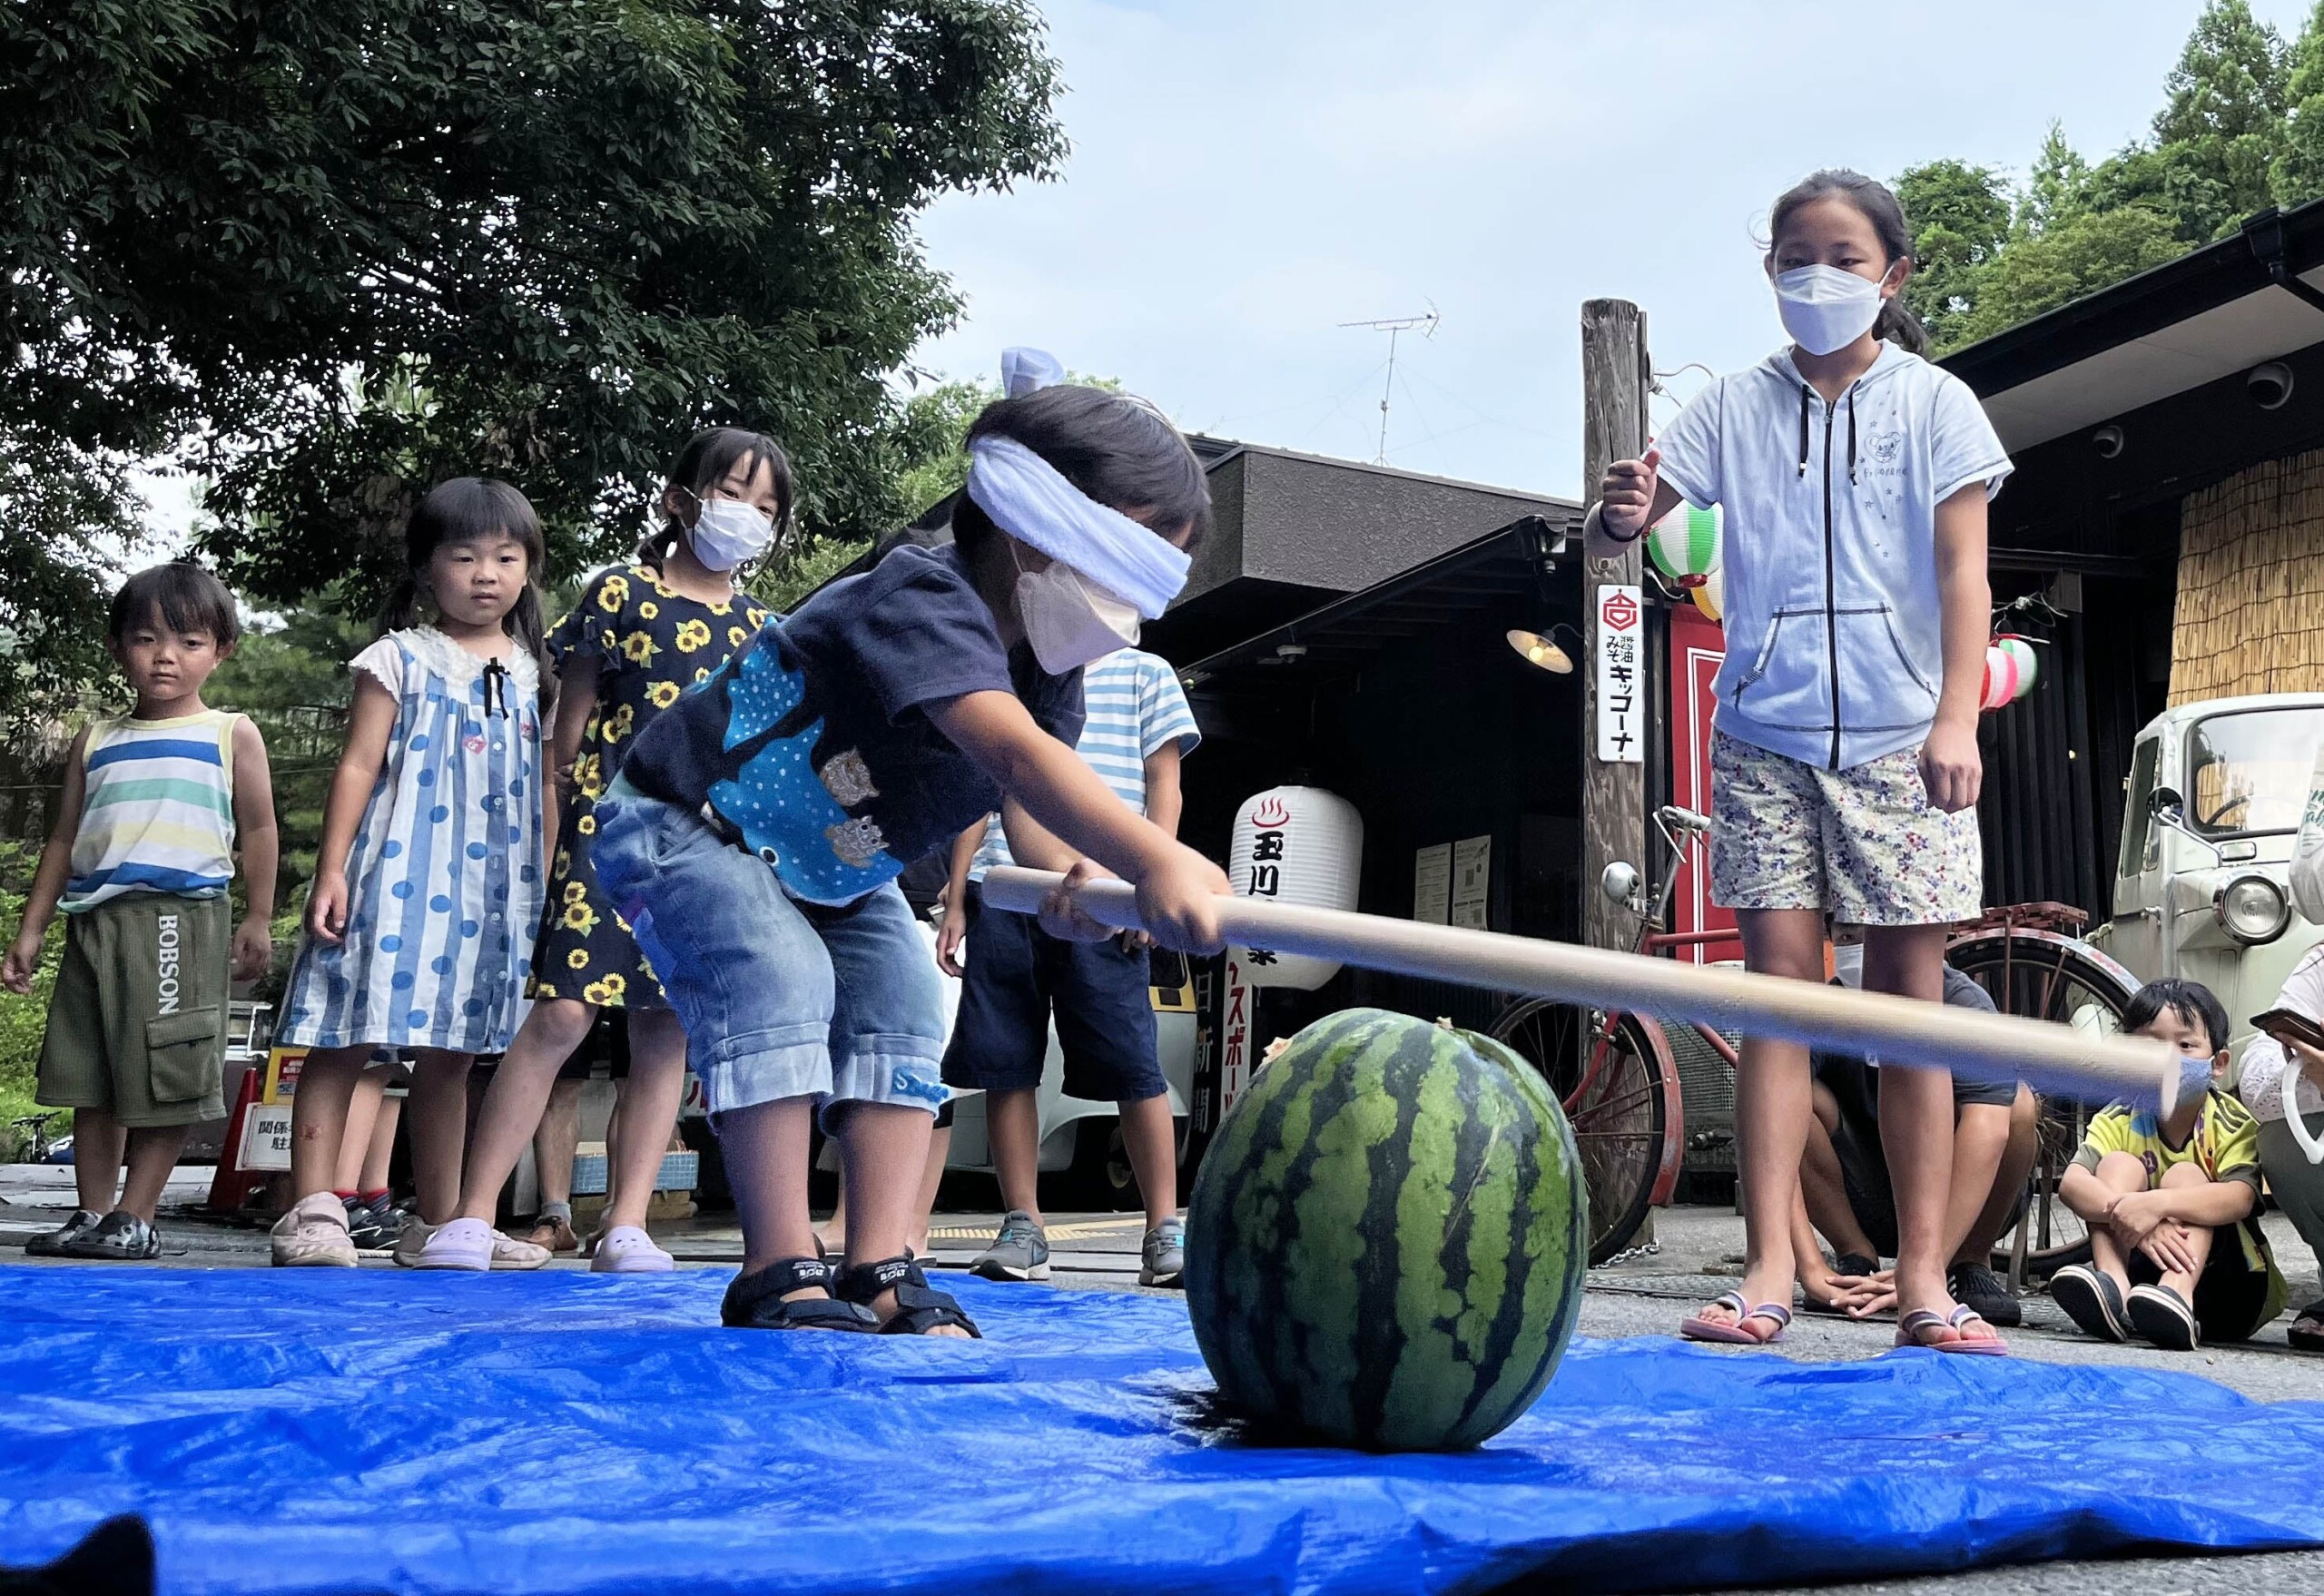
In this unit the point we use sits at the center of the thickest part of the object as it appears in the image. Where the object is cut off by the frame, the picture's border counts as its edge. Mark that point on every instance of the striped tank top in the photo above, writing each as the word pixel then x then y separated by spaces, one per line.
pixel 158 812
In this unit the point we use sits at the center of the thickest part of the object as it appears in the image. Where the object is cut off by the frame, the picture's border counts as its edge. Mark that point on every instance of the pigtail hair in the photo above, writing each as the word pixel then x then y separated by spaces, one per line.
pixel 656 546
pixel 1900 326
pixel 402 608
pixel 527 626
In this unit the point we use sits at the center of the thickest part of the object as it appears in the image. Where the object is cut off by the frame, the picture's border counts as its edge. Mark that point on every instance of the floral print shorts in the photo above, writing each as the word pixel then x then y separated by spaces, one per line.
pixel 1862 844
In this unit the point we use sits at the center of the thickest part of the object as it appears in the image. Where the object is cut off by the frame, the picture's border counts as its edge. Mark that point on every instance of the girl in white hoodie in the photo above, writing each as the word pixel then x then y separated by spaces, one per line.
pixel 1855 477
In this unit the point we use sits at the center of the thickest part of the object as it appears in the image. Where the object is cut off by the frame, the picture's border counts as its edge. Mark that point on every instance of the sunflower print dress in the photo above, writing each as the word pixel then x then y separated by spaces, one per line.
pixel 651 643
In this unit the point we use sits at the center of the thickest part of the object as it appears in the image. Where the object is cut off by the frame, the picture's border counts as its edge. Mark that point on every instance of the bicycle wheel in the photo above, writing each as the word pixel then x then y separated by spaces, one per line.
pixel 1620 1114
pixel 2043 975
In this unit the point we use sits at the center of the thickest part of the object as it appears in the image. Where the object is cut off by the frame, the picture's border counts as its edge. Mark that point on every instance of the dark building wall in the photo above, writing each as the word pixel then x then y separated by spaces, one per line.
pixel 2050 816
pixel 1441 737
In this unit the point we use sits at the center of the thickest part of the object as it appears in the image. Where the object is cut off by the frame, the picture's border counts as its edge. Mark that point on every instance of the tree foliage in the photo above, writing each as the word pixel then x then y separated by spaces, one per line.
pixel 325 253
pixel 1961 216
pixel 2241 128
pixel 2298 167
pixel 64 513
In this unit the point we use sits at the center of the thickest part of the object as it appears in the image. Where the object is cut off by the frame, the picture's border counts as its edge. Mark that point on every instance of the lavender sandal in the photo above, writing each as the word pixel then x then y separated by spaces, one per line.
pixel 1910 1328
pixel 1697 1328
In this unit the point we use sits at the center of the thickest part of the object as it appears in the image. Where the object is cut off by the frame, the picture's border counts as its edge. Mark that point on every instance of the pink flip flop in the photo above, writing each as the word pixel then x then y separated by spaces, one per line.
pixel 1697 1328
pixel 1908 1333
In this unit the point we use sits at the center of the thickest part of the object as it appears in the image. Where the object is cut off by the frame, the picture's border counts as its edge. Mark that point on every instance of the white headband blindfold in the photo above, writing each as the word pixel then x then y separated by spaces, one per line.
pixel 1028 499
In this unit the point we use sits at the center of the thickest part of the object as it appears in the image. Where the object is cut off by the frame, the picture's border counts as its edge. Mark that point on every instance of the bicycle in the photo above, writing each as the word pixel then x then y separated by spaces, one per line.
pixel 1617 1076
pixel 36 1144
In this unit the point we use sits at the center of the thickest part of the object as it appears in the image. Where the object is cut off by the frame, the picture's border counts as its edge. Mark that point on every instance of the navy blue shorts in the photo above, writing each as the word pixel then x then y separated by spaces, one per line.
pixel 1017 974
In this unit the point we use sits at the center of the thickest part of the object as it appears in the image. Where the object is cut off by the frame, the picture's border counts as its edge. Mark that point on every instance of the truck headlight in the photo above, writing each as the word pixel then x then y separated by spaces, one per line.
pixel 2252 909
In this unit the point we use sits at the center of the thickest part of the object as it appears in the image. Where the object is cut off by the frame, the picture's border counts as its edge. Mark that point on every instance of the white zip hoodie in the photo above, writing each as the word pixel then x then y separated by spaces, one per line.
pixel 1834 634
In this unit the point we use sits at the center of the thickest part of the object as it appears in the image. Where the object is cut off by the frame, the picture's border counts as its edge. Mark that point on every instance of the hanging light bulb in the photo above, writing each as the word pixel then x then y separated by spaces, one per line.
pixel 1543 652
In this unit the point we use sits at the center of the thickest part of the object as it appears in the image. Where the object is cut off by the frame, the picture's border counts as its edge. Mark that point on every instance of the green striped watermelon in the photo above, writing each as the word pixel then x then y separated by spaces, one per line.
pixel 1386 1240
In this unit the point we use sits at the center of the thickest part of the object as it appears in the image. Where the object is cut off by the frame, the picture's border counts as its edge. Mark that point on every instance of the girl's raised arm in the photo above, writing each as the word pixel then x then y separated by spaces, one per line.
pixel 1632 498
pixel 370 724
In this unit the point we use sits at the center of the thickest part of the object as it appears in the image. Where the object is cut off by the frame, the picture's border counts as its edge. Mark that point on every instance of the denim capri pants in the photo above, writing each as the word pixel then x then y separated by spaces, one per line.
pixel 779 998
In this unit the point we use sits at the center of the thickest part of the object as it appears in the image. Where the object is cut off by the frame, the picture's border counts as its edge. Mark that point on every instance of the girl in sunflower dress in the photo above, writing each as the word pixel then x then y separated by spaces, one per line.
pixel 641 634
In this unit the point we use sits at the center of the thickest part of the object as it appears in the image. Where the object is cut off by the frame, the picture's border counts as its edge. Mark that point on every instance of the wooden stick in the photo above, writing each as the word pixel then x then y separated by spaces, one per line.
pixel 2061 1060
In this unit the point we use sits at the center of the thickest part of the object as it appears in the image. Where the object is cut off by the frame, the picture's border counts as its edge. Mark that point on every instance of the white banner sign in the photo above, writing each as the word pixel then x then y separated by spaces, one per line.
pixel 1472 880
pixel 1621 676
pixel 266 1136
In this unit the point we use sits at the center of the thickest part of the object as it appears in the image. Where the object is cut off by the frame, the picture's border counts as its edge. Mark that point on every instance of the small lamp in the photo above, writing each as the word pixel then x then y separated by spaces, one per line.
pixel 1542 651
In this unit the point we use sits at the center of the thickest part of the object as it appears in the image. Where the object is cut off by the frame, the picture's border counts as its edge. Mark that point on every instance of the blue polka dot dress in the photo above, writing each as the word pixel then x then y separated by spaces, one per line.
pixel 444 877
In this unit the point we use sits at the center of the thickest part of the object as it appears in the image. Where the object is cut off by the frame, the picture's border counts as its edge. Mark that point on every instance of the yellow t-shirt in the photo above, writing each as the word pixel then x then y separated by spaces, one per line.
pixel 2224 1144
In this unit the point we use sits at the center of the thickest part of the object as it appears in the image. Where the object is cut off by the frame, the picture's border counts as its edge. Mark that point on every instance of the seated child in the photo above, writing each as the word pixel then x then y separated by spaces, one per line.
pixel 155 806
pixel 754 834
pixel 2172 1204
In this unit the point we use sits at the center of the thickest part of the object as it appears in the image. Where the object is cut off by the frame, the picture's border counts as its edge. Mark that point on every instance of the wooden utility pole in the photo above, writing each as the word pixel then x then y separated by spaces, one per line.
pixel 1614 371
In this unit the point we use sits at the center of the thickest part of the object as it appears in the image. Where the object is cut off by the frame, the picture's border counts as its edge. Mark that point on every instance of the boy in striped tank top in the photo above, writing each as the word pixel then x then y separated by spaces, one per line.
pixel 1136 729
pixel 139 862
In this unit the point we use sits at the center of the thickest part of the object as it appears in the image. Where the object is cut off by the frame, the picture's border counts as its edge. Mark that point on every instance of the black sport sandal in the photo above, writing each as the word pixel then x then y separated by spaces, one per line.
pixel 920 1307
pixel 756 1301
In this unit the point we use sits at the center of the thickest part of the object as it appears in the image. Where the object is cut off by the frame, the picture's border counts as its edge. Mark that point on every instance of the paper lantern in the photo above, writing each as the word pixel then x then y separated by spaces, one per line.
pixel 1684 545
pixel 1711 597
pixel 2001 683
pixel 2029 663
pixel 1296 846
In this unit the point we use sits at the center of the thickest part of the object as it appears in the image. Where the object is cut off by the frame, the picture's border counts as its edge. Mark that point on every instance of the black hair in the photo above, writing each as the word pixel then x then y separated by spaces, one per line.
pixel 1119 451
pixel 187 598
pixel 454 511
pixel 708 457
pixel 2193 1002
pixel 1878 206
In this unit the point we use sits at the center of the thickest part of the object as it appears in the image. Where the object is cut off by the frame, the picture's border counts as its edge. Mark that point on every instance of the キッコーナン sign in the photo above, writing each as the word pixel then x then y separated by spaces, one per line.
pixel 1621 676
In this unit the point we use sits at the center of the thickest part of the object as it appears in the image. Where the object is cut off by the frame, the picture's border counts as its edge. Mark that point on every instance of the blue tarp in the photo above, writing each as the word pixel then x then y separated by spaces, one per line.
pixel 340 1431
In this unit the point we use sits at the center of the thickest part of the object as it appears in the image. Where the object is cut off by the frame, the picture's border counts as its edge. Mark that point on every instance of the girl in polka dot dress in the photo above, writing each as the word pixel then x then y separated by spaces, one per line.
pixel 427 881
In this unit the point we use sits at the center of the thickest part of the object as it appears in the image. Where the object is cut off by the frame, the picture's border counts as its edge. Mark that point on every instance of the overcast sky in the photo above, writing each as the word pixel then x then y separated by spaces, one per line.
pixel 1245 176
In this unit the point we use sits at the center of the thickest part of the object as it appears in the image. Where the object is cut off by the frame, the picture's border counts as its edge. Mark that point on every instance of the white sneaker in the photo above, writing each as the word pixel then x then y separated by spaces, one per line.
pixel 509 1252
pixel 627 1250
pixel 463 1244
pixel 313 1235
pixel 419 1248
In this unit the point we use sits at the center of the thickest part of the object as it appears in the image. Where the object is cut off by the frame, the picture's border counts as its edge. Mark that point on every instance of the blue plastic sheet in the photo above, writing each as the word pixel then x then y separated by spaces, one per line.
pixel 339 1431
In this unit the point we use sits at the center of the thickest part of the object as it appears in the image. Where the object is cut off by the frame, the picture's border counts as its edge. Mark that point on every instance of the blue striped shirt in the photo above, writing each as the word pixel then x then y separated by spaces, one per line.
pixel 1133 707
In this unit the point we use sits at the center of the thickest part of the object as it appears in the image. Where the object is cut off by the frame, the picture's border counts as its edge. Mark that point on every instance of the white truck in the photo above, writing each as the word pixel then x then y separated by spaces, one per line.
pixel 2215 795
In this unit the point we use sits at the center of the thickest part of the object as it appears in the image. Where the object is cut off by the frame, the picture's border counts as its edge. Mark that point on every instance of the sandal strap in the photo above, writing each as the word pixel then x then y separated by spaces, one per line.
pixel 1911 1325
pixel 1771 1310
pixel 754 1301
pixel 920 1307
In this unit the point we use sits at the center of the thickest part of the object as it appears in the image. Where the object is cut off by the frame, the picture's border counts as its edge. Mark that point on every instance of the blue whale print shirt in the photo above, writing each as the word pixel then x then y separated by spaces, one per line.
pixel 812 746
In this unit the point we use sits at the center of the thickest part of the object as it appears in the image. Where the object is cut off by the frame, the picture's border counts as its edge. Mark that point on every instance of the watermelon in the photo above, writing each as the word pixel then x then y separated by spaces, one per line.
pixel 1386 1239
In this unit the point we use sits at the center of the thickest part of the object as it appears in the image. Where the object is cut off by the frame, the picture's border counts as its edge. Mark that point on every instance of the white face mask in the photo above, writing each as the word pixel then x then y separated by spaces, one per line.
pixel 726 532
pixel 1068 621
pixel 1826 309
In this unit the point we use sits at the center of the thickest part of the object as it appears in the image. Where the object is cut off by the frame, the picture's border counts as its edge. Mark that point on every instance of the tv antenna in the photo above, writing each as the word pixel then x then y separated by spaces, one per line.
pixel 1394 326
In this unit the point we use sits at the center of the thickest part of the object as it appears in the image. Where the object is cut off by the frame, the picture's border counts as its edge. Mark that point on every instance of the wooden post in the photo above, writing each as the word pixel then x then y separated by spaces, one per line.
pixel 1614 369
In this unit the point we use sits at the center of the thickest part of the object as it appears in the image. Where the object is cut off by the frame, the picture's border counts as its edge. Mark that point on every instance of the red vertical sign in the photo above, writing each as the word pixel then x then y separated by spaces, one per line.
pixel 1697 647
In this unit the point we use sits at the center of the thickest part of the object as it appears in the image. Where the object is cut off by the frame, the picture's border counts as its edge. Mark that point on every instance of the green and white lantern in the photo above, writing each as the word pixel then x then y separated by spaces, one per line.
pixel 1684 545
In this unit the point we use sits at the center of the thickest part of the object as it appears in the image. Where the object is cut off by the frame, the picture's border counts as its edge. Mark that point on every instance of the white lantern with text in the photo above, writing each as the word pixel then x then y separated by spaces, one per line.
pixel 1296 846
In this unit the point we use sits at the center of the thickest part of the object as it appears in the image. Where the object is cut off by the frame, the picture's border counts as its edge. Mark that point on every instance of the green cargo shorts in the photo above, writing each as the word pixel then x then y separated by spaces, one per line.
pixel 137 1023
